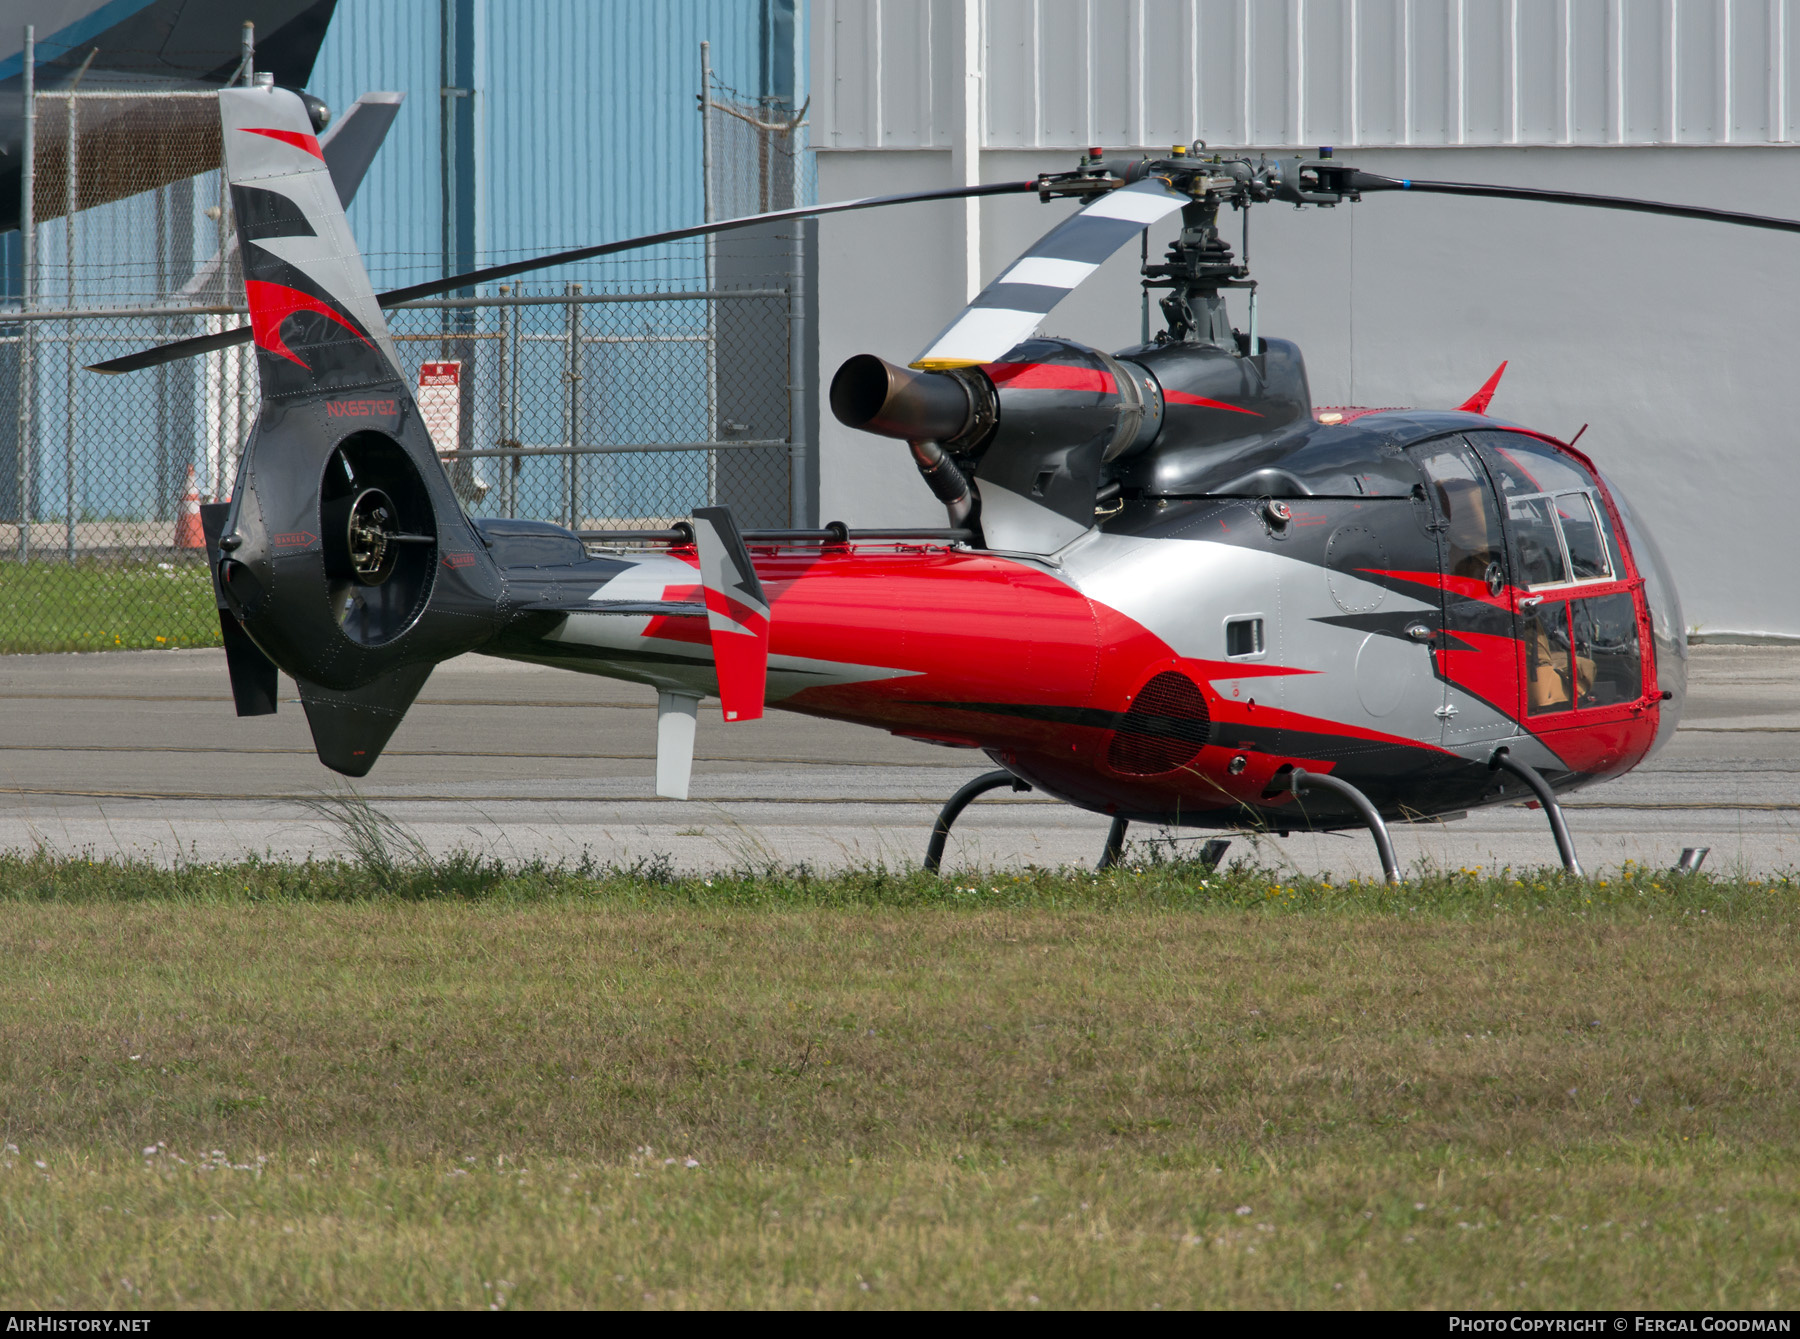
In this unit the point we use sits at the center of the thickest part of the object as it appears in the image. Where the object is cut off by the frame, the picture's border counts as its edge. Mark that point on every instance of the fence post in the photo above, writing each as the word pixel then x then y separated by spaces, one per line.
pixel 518 350
pixel 505 433
pixel 27 286
pixel 797 462
pixel 708 208
pixel 572 360
pixel 72 165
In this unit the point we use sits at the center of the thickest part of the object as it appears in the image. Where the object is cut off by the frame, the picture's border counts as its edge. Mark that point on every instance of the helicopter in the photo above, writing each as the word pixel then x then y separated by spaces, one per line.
pixel 1170 589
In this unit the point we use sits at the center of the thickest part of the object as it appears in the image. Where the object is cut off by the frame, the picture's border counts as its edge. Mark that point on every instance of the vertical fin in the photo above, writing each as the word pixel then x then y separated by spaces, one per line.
pixel 350 728
pixel 737 613
pixel 313 313
pixel 675 720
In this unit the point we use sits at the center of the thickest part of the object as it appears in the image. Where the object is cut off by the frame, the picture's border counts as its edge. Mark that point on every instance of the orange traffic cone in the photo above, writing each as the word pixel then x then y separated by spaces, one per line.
pixel 188 534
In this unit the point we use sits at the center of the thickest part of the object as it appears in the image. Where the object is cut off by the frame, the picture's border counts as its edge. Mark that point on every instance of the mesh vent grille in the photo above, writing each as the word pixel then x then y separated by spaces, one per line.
pixel 1164 729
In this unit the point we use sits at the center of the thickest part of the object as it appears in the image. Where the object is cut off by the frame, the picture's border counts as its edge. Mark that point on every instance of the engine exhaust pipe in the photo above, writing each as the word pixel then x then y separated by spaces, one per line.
pixel 944 479
pixel 872 395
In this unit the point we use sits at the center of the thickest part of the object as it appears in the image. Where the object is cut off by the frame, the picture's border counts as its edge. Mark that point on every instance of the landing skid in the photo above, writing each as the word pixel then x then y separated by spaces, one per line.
pixel 1298 781
pixel 1503 761
pixel 981 785
pixel 1210 854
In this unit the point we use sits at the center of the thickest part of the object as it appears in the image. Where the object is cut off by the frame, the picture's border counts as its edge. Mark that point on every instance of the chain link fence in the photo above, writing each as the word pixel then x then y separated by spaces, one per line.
pixel 596 401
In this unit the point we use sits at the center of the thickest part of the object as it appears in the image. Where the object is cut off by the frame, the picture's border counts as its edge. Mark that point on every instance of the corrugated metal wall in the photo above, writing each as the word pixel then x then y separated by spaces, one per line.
pixel 586 118
pixel 1266 73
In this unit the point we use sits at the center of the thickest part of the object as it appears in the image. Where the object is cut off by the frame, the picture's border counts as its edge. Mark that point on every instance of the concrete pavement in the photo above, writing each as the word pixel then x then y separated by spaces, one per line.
pixel 139 752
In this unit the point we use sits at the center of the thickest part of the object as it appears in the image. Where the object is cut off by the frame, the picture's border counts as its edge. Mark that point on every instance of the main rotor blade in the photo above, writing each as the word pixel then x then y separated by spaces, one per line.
pixel 494 272
pixel 1009 309
pixel 188 348
pixel 1369 181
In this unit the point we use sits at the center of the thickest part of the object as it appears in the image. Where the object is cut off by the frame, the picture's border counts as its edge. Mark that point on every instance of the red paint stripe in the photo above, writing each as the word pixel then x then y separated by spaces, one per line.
pixel 299 139
pixel 1468 587
pixel 1211 671
pixel 271 304
pixel 718 602
pixel 1201 402
pixel 1050 377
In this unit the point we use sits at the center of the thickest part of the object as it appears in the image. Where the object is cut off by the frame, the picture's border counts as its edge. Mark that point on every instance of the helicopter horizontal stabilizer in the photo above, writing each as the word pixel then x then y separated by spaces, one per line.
pixel 737 613
pixel 1010 308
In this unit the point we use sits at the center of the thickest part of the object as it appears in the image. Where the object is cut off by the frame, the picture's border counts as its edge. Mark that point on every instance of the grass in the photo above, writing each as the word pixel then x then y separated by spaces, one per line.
pixel 129 605
pixel 399 1081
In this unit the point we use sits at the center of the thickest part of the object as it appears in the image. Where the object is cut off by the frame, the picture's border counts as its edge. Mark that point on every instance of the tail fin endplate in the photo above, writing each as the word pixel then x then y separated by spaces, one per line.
pixel 737 613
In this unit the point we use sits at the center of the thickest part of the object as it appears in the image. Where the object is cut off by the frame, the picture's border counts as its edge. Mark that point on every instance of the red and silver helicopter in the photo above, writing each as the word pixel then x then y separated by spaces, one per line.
pixel 1171 589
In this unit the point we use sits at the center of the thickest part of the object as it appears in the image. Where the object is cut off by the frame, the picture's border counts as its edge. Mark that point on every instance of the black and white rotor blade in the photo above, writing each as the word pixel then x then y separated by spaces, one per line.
pixel 188 348
pixel 1010 308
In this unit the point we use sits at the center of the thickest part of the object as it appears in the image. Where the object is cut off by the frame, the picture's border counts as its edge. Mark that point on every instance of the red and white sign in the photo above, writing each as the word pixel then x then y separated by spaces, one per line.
pixel 440 403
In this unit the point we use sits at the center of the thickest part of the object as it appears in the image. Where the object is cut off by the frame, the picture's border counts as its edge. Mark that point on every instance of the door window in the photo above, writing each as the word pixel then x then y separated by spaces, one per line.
pixel 1583 538
pixel 1583 653
pixel 1606 636
pixel 1536 539
pixel 1549 666
pixel 1471 525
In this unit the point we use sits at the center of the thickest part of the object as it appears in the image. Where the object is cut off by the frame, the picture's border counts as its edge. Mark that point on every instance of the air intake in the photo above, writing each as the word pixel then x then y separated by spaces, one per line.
pixel 1165 728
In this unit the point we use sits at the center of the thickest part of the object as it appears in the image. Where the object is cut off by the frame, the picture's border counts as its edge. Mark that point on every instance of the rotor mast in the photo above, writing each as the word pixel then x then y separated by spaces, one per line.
pixel 1199 263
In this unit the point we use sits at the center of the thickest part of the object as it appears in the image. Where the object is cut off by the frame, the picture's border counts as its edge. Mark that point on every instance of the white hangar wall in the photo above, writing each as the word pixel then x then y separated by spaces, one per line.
pixel 1675 341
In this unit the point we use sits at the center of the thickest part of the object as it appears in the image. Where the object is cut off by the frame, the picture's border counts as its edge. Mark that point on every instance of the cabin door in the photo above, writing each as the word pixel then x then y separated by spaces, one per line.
pixel 1475 650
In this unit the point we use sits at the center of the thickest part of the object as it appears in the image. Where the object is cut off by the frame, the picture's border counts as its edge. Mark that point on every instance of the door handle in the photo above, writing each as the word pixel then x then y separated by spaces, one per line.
pixel 1531 601
pixel 1420 632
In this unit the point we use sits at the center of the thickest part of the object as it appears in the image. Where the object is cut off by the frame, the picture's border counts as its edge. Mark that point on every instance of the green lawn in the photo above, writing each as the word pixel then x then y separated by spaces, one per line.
pixel 366 1084
pixel 105 606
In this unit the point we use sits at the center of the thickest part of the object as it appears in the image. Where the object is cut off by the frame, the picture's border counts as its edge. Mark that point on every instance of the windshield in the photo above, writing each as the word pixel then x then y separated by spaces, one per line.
pixel 1559 524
